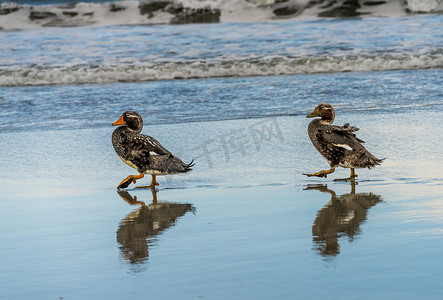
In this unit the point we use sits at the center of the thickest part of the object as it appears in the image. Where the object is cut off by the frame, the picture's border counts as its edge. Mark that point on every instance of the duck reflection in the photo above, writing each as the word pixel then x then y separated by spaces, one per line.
pixel 137 231
pixel 342 216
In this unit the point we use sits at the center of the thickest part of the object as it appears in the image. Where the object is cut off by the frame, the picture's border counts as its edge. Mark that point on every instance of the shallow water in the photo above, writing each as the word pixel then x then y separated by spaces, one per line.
pixel 245 223
pixel 164 102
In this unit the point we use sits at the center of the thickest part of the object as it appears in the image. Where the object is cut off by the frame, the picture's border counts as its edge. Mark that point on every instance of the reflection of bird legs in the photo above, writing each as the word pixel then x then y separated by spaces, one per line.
pixel 131 200
pixel 323 173
pixel 351 178
pixel 322 188
pixel 128 180
pixel 152 186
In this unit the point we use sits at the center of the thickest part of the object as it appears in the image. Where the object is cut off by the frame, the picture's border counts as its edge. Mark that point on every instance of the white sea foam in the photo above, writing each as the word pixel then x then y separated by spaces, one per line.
pixel 82 14
pixel 425 5
pixel 200 69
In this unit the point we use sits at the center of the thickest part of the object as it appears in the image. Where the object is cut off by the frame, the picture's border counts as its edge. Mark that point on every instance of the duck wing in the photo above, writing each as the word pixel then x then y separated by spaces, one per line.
pixel 142 146
pixel 139 148
pixel 153 146
pixel 341 136
pixel 344 148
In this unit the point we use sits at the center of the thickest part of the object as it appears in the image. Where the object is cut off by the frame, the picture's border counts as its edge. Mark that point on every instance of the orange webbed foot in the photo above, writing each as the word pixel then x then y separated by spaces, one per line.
pixel 128 180
pixel 323 173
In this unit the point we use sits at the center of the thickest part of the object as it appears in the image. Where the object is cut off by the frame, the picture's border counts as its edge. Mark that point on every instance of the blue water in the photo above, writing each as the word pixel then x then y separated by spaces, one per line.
pixel 182 101
pixel 233 96
pixel 136 53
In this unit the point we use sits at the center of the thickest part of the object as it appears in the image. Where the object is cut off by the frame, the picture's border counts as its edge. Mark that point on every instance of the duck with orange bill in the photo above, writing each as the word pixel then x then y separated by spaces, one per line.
pixel 143 152
pixel 338 144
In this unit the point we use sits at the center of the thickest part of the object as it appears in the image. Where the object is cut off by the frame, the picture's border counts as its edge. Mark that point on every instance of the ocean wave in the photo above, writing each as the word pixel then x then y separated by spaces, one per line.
pixel 43 75
pixel 21 17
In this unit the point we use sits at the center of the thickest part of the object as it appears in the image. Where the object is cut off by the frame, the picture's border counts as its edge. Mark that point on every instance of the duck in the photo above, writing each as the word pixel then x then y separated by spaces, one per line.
pixel 142 152
pixel 338 144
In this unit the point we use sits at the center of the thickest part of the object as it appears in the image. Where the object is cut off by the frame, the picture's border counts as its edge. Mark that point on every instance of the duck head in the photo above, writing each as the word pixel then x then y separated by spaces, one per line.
pixel 131 119
pixel 325 111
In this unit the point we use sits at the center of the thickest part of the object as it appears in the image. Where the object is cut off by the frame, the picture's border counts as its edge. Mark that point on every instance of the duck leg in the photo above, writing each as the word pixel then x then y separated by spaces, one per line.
pixel 351 178
pixel 128 180
pixel 154 196
pixel 152 186
pixel 323 173
pixel 153 182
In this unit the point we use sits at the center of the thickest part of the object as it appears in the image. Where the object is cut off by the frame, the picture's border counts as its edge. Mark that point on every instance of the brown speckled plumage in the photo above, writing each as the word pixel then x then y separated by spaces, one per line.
pixel 142 152
pixel 338 144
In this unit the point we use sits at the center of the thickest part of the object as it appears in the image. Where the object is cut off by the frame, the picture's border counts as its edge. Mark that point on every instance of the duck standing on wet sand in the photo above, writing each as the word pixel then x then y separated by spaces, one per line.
pixel 338 144
pixel 142 152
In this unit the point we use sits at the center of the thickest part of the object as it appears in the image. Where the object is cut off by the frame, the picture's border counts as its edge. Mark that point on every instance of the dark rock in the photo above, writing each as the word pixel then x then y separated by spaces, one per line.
pixel 147 8
pixel 346 9
pixel 374 3
pixel 197 15
pixel 329 4
pixel 40 15
pixel 285 11
pixel 88 14
pixel 351 3
pixel 115 8
pixel 7 10
pixel 340 12
pixel 283 8
pixel 70 13
pixel 312 3
pixel 175 8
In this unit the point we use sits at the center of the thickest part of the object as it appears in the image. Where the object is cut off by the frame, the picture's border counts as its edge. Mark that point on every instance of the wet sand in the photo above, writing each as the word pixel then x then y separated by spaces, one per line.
pixel 244 224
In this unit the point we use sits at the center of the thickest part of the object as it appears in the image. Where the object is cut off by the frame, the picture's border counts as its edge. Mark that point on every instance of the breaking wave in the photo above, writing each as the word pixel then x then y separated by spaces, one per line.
pixel 43 75
pixel 14 16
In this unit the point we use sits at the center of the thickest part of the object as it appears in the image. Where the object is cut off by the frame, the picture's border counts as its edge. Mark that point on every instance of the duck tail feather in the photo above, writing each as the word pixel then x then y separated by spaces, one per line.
pixel 374 161
pixel 188 167
pixel 178 166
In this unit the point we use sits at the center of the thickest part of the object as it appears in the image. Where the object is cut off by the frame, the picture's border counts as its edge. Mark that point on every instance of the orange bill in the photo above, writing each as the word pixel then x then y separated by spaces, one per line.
pixel 119 122
pixel 313 114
